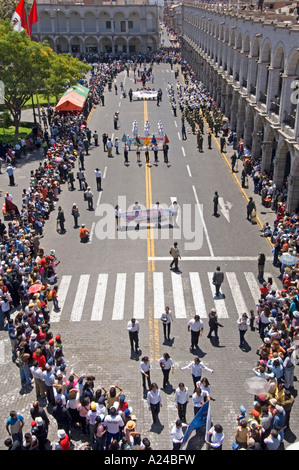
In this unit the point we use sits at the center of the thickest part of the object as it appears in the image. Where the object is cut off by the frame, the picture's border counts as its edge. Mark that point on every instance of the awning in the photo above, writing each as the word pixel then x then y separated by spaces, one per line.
pixel 72 101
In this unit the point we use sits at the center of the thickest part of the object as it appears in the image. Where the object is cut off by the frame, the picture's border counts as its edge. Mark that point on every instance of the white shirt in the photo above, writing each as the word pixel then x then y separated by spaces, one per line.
pixel 167 364
pixel 177 433
pixel 199 400
pixel 131 327
pixel 144 367
pixel 154 397
pixel 113 423
pixel 181 396
pixel 197 368
pixel 216 438
pixel 167 317
pixel 196 325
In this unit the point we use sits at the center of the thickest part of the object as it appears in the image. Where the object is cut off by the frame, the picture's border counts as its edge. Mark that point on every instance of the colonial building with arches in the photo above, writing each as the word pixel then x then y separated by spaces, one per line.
pixel 249 62
pixel 95 26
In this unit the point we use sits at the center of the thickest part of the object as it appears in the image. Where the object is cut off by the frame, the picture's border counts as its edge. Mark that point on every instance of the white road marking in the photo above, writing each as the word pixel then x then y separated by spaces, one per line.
pixel 78 306
pixel 119 297
pixel 99 298
pixel 203 222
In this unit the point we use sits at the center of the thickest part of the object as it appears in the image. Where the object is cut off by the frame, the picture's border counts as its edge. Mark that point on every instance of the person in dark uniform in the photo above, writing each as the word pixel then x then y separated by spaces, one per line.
pixel 215 202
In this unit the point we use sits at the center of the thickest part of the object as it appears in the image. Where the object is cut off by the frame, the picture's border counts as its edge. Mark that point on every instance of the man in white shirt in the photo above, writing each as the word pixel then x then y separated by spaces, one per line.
pixel 113 423
pixel 109 147
pixel 181 399
pixel 215 438
pixel 273 441
pixel 196 327
pixel 98 175
pixel 133 329
pixel 177 434
pixel 199 398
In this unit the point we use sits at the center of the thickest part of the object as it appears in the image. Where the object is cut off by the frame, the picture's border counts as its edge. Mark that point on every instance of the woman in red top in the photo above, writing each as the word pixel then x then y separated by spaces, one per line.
pixel 40 358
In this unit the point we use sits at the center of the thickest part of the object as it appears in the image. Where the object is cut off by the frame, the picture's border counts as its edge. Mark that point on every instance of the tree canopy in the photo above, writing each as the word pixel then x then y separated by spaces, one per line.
pixel 28 67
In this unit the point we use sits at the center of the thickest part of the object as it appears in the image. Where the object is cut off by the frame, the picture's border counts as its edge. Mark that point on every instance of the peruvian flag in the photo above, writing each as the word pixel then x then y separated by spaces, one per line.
pixel 32 18
pixel 19 20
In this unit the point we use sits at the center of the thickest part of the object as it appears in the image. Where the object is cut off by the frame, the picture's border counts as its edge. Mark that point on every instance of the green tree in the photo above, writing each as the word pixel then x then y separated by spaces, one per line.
pixel 24 66
pixel 65 70
pixel 28 67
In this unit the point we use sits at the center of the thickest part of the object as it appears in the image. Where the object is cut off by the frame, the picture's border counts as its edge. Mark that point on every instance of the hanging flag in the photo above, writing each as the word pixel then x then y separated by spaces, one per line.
pixel 200 419
pixel 18 19
pixel 11 208
pixel 32 18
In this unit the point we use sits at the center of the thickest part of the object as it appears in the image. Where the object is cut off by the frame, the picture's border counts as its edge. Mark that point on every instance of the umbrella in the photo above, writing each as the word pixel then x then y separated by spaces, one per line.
pixel 288 259
pixel 58 159
pixel 35 288
pixel 257 385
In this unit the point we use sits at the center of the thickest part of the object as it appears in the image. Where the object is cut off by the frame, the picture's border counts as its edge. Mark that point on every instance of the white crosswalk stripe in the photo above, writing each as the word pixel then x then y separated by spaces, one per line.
pixel 197 292
pixel 78 306
pixel 237 293
pixel 119 297
pixel 99 299
pixel 178 296
pixel 124 296
pixel 63 290
pixel 159 302
pixel 139 287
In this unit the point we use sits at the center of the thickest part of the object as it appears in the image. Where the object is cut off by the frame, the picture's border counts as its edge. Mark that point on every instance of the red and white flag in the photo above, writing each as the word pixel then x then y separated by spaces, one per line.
pixel 18 19
pixel 32 18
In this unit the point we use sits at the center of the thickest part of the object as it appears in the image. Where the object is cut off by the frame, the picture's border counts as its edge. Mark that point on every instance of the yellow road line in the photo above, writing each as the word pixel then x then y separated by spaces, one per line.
pixel 153 322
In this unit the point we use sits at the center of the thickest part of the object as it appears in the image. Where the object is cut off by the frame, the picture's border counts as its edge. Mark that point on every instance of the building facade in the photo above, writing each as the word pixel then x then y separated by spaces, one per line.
pixel 95 26
pixel 249 61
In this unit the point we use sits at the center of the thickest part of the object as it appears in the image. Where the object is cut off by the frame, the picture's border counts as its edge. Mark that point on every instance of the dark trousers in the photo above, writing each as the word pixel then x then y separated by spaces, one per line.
pixel 194 339
pixel 195 380
pixel 165 377
pixel 217 287
pixel 242 335
pixel 215 329
pixel 133 335
pixel 175 262
pixel 182 407
pixel 155 409
pixel 166 330
pixel 146 379
pixel 99 183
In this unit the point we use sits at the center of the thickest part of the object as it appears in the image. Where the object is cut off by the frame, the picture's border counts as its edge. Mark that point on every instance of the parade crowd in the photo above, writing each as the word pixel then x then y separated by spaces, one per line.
pixel 29 286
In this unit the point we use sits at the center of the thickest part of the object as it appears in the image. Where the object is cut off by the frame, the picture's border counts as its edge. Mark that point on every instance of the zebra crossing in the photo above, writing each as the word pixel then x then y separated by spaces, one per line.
pixel 122 296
